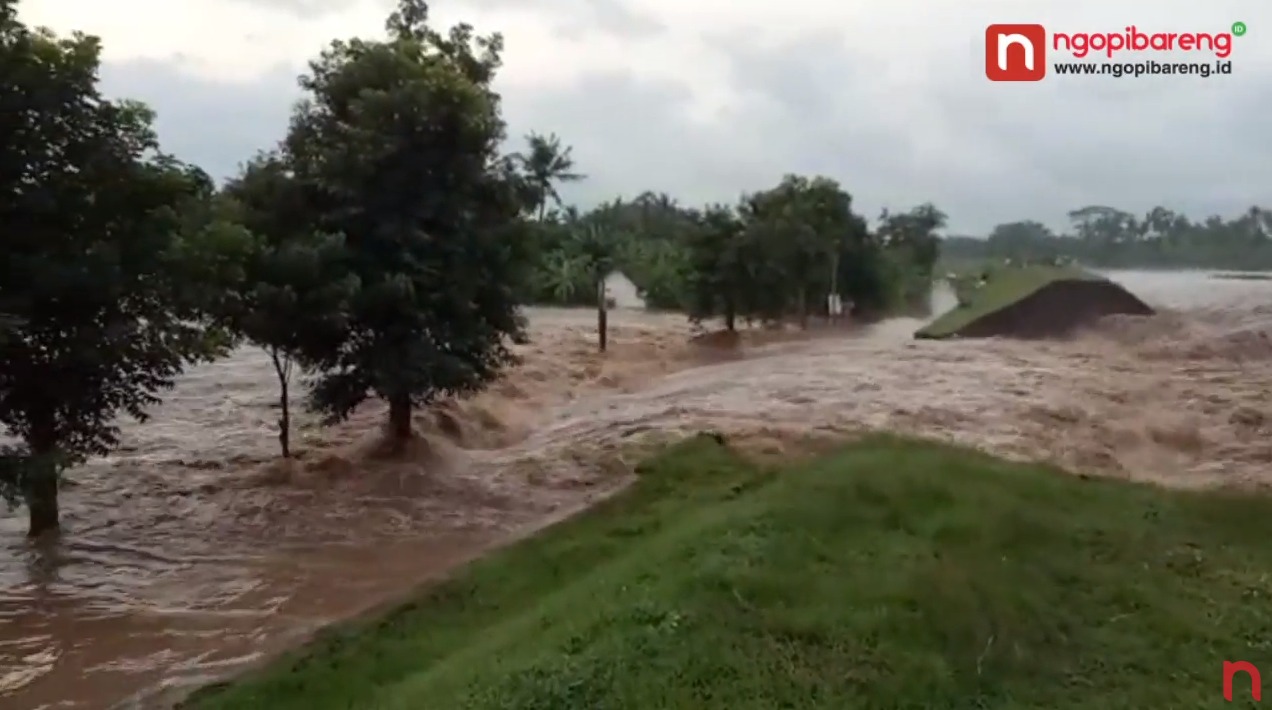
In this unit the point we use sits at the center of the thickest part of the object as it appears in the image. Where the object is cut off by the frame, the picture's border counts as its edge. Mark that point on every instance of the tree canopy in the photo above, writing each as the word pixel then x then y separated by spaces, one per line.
pixel 397 148
pixel 758 259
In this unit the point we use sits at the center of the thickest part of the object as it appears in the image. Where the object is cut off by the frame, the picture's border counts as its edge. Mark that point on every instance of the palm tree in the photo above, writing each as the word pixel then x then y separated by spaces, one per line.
pixel 545 164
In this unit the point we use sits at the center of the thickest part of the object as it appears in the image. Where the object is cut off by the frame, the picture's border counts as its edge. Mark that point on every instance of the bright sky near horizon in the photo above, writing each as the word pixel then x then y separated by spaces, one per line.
pixel 706 99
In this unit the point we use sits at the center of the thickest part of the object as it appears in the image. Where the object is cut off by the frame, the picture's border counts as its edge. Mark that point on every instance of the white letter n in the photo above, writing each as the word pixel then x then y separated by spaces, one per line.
pixel 1005 41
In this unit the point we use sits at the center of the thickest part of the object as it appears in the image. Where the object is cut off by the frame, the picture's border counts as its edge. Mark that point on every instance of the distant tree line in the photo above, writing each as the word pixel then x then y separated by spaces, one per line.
pixel 775 254
pixel 1111 238
pixel 382 248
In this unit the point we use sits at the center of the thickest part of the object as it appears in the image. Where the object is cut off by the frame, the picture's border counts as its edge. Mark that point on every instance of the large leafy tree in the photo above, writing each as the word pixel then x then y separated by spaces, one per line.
pixel 911 246
pixel 718 277
pixel 823 212
pixel 779 252
pixel 802 226
pixel 397 148
pixel 913 235
pixel 782 250
pixel 92 269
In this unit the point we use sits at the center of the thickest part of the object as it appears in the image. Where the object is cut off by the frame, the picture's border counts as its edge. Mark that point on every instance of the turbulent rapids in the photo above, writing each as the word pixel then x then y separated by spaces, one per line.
pixel 192 551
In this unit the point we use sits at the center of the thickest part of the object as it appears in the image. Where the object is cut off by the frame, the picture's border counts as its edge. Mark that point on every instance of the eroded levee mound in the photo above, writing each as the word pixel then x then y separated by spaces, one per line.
pixel 1055 310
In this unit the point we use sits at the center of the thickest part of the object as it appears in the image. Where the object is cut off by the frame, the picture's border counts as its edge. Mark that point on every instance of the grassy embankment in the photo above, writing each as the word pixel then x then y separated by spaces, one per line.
pixel 1006 285
pixel 892 574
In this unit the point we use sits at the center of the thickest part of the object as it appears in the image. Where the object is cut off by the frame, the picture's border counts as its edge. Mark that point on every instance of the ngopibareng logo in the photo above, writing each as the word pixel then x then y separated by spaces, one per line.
pixel 1019 52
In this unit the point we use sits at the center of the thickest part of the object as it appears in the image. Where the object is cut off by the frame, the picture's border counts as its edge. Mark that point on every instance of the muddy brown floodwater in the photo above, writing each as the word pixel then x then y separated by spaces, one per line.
pixel 193 552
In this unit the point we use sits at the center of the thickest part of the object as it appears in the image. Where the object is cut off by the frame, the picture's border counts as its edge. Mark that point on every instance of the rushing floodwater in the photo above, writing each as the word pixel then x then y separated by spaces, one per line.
pixel 192 551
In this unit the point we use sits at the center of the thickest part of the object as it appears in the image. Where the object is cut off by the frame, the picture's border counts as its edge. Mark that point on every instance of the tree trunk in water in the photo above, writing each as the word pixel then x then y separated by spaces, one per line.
pixel 41 500
pixel 803 309
pixel 284 420
pixel 400 417
pixel 602 315
pixel 730 317
pixel 834 284
pixel 284 423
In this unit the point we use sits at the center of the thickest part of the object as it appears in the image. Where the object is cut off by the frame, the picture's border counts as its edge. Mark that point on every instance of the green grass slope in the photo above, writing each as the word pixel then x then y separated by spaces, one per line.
pixel 1005 287
pixel 893 574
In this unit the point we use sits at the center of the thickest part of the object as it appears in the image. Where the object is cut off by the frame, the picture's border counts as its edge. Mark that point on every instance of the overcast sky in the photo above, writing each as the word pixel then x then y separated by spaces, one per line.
pixel 707 98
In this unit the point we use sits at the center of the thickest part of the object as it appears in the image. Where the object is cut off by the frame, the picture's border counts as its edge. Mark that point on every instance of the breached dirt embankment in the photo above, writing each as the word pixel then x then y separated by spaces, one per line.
pixel 193 550
pixel 1034 302
pixel 1057 310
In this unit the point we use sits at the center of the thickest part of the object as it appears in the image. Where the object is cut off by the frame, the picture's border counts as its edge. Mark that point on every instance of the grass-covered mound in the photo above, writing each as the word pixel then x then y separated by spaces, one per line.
pixel 1031 302
pixel 893 574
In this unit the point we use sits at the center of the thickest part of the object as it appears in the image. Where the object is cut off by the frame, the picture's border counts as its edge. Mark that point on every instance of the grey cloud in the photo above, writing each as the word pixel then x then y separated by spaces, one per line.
pixel 576 18
pixel 572 18
pixel 1135 143
pixel 824 108
pixel 631 135
pixel 989 153
pixel 934 129
pixel 303 8
pixel 215 125
pixel 611 17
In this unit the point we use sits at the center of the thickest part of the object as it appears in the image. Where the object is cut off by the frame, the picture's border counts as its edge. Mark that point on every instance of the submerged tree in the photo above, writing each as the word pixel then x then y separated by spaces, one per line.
pixel 397 148
pixel 911 239
pixel 93 268
pixel 814 217
pixel 779 252
pixel 293 298
pixel 718 276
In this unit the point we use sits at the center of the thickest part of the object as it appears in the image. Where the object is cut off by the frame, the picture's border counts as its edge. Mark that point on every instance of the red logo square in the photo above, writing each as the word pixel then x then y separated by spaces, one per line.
pixel 1015 52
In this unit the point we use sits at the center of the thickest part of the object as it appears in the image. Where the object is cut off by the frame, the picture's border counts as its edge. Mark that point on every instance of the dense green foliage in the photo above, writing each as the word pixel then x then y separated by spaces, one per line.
pixel 778 253
pixel 892 574
pixel 382 247
pixel 1110 238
